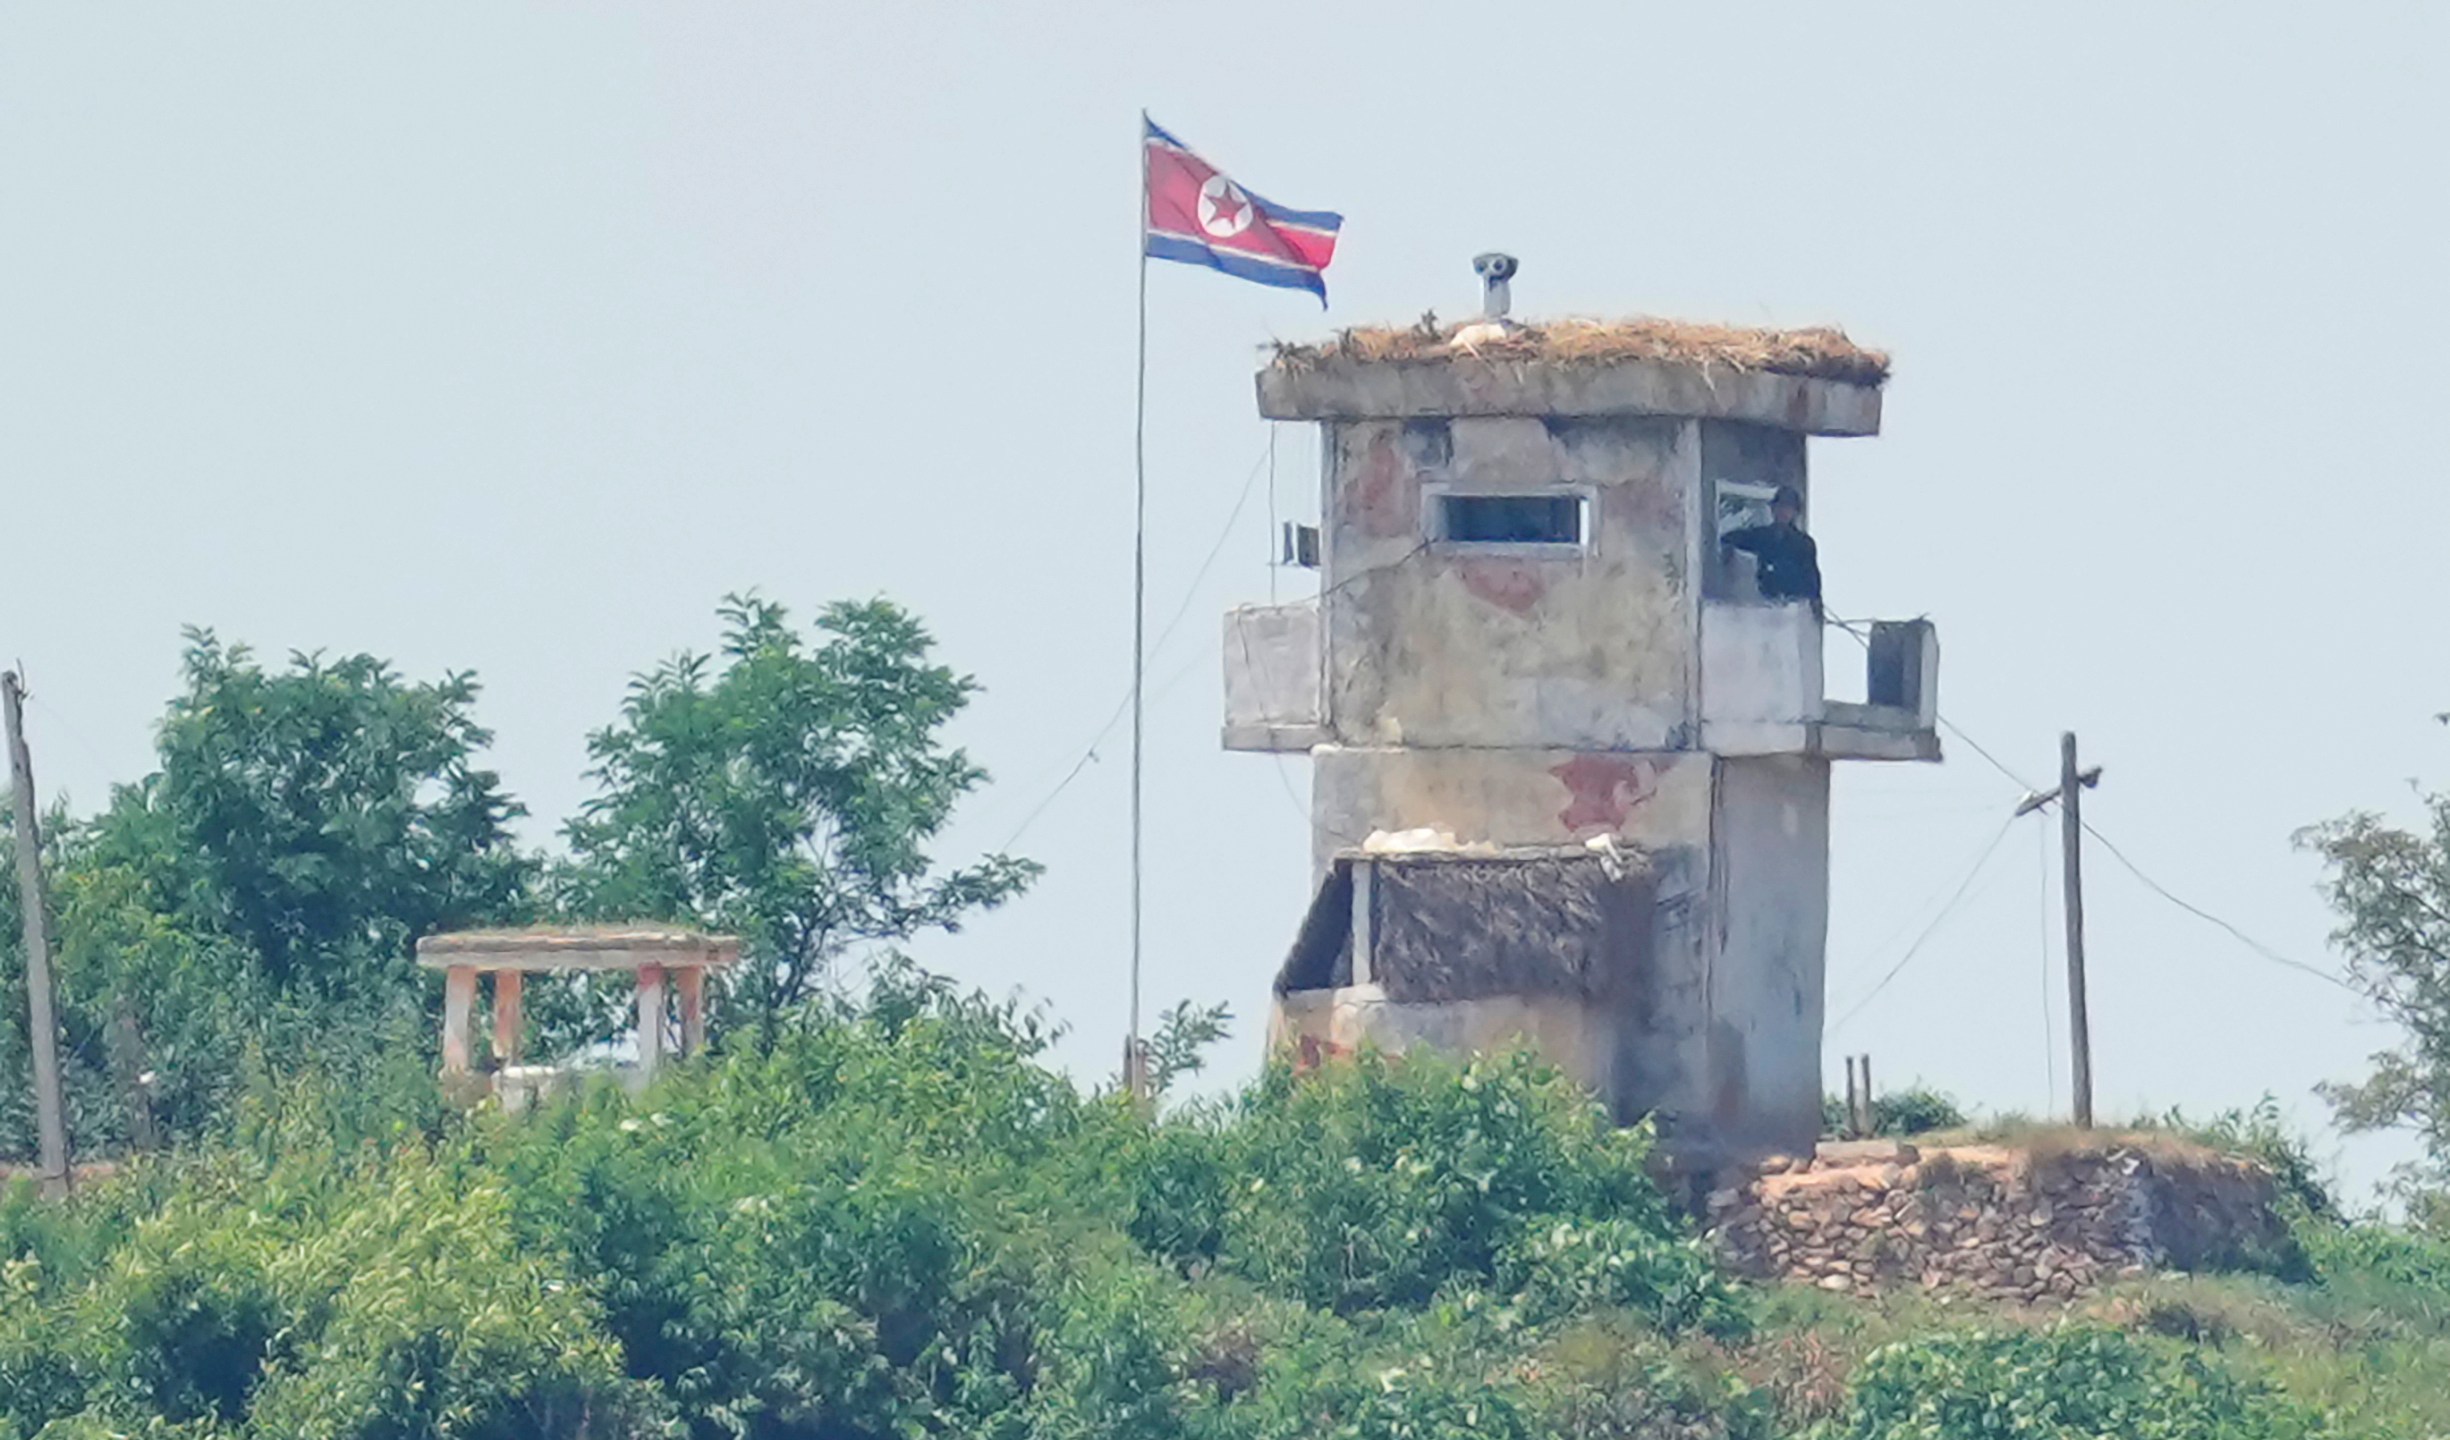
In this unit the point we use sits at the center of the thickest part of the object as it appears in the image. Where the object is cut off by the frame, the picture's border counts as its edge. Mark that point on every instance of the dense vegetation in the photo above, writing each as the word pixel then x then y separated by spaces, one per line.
pixel 895 1222
pixel 892 1222
pixel 887 1218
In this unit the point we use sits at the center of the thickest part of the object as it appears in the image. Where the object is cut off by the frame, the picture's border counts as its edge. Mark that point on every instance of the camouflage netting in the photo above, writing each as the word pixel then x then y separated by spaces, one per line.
pixel 1463 927
pixel 1817 352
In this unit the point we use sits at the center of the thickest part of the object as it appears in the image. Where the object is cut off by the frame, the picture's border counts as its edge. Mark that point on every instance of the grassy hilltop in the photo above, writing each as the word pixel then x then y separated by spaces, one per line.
pixel 894 1222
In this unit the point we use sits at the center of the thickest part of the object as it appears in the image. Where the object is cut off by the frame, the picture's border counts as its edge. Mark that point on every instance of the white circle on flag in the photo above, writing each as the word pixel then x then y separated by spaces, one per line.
pixel 1224 211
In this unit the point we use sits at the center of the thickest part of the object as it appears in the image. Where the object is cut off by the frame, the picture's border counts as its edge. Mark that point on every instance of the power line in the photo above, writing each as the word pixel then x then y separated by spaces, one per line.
pixel 1272 513
pixel 1928 930
pixel 1906 914
pixel 1996 763
pixel 1854 629
pixel 1123 706
pixel 1191 592
pixel 1285 783
pixel 2257 946
pixel 1090 752
pixel 1398 563
pixel 2156 887
pixel 1089 756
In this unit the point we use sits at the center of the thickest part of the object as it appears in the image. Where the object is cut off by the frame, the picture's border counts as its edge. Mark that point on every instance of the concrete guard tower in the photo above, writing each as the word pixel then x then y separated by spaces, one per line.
pixel 1570 771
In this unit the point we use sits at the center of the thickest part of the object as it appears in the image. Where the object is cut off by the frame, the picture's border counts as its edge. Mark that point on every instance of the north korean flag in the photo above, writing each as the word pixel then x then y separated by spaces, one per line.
pixel 1199 217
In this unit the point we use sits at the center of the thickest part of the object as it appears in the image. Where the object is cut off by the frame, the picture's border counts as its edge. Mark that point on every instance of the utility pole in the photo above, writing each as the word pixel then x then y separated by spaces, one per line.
pixel 2071 856
pixel 42 1032
pixel 2072 785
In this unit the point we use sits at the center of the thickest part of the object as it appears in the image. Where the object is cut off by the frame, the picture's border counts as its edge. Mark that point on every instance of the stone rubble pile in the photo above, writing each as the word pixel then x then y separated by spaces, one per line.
pixel 1977 1220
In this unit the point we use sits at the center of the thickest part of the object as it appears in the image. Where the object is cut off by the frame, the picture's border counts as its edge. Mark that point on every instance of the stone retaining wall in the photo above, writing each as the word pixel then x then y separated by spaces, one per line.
pixel 2002 1223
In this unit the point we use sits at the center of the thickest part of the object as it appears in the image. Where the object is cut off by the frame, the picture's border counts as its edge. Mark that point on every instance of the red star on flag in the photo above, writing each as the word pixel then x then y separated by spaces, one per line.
pixel 1222 207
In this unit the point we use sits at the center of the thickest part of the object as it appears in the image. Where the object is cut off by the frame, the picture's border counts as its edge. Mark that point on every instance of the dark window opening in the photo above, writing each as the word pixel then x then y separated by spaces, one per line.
pixel 1894 668
pixel 1429 444
pixel 1510 519
pixel 1301 545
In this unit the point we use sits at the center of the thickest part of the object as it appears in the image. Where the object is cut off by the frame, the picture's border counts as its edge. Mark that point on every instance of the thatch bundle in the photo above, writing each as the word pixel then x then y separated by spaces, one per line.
pixel 1818 352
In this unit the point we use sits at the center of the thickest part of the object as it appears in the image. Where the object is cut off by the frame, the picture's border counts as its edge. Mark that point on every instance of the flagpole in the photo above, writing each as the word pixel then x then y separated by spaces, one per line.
pixel 1134 1073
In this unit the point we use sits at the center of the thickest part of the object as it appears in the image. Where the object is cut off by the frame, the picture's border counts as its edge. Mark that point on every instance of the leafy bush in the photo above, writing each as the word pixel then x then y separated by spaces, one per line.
pixel 2073 1383
pixel 2382 1273
pixel 2262 1134
pixel 1377 1183
pixel 1572 1267
pixel 41 1380
pixel 832 1233
pixel 1453 1369
pixel 321 1294
pixel 1917 1110
pixel 2383 1252
pixel 187 1317
pixel 416 1311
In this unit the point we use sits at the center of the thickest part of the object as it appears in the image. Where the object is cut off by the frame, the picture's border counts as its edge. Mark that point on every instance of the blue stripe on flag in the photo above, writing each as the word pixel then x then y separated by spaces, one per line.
pixel 1241 267
pixel 1327 220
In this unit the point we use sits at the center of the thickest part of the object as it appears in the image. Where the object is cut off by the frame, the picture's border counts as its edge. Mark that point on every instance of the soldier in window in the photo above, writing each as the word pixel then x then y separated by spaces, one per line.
pixel 1786 563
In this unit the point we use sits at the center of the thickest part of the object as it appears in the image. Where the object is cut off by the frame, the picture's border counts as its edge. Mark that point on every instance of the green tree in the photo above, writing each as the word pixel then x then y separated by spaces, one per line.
pixel 1184 1036
pixel 786 792
pixel 2390 886
pixel 324 816
pixel 259 892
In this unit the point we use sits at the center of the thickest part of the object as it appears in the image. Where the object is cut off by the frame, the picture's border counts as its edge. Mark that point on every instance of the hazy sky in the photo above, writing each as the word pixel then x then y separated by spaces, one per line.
pixel 509 337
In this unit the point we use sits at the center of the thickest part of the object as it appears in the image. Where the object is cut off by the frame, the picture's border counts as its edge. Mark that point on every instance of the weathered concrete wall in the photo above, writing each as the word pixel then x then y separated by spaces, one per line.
pixel 1770 877
pixel 1272 677
pixel 1578 1037
pixel 1754 455
pixel 1510 797
pixel 1760 663
pixel 1436 644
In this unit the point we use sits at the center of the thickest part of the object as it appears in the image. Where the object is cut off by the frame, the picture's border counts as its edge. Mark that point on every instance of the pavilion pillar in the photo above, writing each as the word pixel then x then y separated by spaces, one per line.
pixel 650 1019
pixel 458 1000
pixel 509 989
pixel 691 981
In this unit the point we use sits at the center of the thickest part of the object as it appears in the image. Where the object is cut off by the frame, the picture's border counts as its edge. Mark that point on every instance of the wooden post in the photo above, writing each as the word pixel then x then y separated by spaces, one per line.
pixel 509 987
pixel 50 1105
pixel 1854 1105
pixel 1870 1123
pixel 458 999
pixel 2071 852
pixel 650 1019
pixel 690 981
